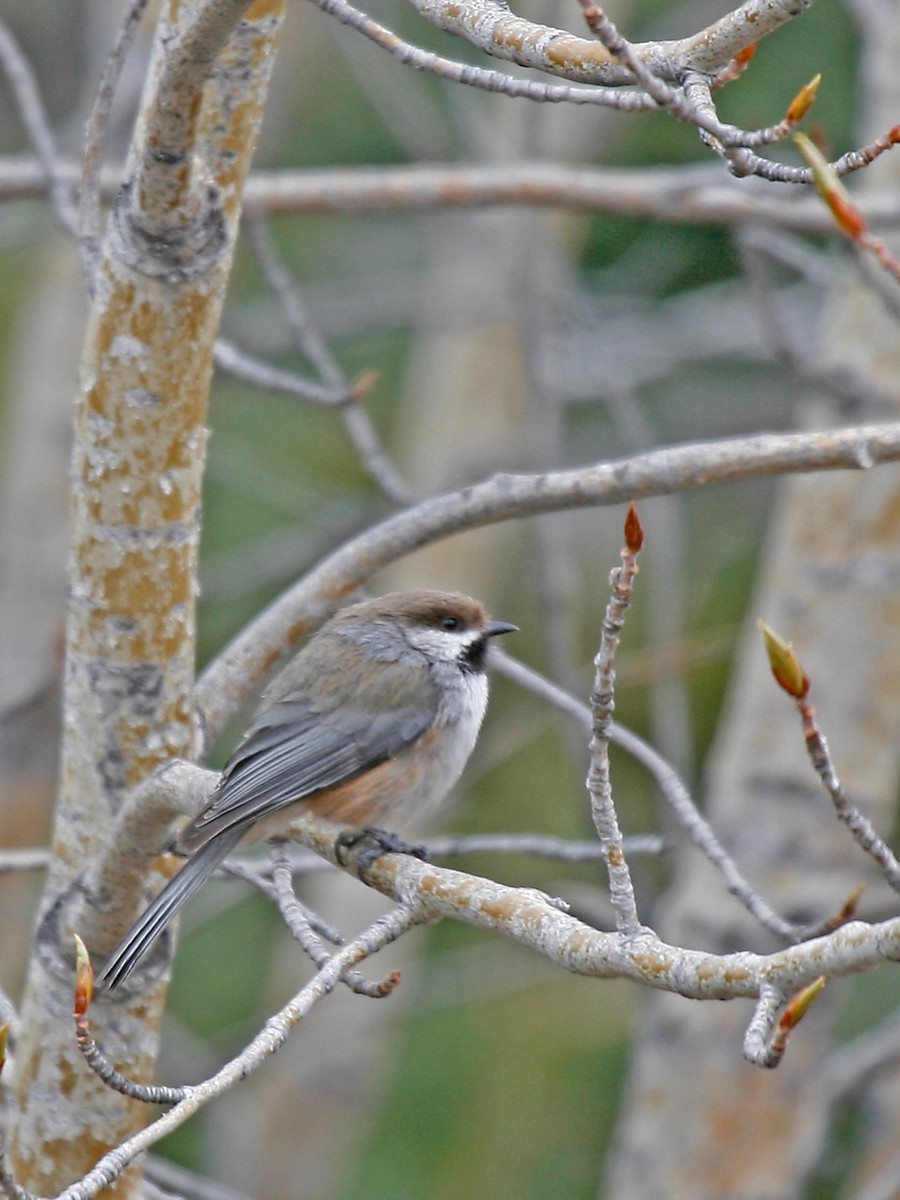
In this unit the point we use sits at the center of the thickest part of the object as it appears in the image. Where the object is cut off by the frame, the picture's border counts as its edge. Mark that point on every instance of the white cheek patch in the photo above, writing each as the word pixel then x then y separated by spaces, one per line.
pixel 445 645
pixel 442 644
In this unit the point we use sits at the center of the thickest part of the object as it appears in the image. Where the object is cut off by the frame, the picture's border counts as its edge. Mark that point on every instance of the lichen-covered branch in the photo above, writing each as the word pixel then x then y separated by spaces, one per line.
pixel 493 28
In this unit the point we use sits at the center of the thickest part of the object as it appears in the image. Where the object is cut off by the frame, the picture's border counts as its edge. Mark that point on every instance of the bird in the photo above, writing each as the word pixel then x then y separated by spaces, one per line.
pixel 371 722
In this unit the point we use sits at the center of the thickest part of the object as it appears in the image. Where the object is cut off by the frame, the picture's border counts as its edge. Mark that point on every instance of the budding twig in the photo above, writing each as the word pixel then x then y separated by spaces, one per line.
pixel 791 677
pixel 794 1012
pixel 305 928
pixel 93 1055
pixel 847 215
pixel 621 889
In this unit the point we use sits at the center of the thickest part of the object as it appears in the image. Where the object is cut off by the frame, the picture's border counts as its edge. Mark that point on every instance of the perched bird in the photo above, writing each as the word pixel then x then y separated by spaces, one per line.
pixel 371 722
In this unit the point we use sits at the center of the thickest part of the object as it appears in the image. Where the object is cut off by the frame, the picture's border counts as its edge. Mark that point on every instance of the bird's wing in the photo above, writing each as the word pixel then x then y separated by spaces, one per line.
pixel 291 751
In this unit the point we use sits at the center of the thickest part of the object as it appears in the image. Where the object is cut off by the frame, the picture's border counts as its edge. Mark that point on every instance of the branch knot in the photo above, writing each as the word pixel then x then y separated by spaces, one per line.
pixel 188 246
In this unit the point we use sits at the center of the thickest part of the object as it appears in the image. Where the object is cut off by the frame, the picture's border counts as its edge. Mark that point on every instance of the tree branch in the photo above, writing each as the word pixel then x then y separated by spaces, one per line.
pixel 696 194
pixel 489 25
pixel 239 669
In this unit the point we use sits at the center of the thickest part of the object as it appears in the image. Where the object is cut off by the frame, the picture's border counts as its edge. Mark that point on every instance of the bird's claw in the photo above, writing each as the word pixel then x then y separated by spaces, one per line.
pixel 363 847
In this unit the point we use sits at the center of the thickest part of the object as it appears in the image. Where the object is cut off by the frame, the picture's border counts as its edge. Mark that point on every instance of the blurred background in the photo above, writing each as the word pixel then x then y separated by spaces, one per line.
pixel 500 339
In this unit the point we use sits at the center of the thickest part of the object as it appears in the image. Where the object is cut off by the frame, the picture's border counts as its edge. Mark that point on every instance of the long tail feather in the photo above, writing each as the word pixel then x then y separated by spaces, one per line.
pixel 160 912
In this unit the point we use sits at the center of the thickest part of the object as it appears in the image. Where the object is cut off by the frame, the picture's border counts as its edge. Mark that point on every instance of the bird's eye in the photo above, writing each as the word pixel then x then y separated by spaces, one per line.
pixel 449 623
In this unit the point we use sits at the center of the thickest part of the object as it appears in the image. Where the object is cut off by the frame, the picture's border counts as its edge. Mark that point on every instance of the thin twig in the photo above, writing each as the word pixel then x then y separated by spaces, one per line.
pixel 30 858
pixel 113 1078
pixel 313 346
pixel 670 98
pixel 790 676
pixel 864 833
pixel 541 845
pixel 259 875
pixel 95 140
pixel 281 888
pixel 491 81
pixel 599 783
pixel 758 1036
pixel 30 104
pixel 241 365
pixel 297 918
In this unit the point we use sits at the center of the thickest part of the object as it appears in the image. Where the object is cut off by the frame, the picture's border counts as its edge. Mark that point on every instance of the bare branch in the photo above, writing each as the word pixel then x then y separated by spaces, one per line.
pixel 27 859
pixel 489 25
pixel 241 365
pixel 95 139
pixel 790 676
pixel 863 831
pixel 313 346
pixel 108 900
pixel 491 81
pixel 599 783
pixel 762 1024
pixel 541 924
pixel 28 100
pixel 113 1078
pixel 168 190
pixel 240 668
pixel 694 194
pixel 541 845
pixel 302 925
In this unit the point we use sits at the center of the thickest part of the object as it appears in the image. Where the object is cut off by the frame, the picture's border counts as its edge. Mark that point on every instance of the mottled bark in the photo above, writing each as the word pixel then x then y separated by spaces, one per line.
pixel 137 470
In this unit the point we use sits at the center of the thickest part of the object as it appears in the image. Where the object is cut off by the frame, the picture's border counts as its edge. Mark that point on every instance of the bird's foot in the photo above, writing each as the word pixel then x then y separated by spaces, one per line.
pixel 363 847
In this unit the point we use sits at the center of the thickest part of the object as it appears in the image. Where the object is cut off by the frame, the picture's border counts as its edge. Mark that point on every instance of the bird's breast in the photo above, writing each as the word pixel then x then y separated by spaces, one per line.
pixel 408 787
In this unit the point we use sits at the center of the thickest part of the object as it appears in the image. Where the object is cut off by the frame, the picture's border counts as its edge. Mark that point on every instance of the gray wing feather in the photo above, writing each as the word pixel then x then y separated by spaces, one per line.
pixel 294 752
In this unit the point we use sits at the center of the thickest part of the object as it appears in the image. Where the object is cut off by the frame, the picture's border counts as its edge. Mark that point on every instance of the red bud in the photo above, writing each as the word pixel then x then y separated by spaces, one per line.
pixel 84 978
pixel 634 530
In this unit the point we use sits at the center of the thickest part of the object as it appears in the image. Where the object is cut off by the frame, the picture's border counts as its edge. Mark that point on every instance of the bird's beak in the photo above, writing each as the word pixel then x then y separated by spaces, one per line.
pixel 495 628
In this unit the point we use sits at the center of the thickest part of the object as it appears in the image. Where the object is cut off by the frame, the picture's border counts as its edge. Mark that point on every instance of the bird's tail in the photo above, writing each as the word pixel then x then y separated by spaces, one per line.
pixel 160 912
